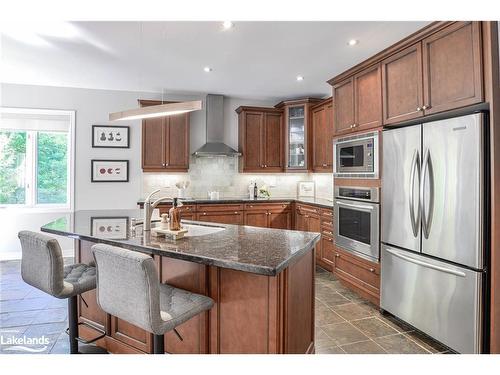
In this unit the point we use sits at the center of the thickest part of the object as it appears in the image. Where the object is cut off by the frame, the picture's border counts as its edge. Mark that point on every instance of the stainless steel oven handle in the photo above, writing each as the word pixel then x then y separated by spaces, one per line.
pixel 355 206
pixel 425 264
pixel 411 201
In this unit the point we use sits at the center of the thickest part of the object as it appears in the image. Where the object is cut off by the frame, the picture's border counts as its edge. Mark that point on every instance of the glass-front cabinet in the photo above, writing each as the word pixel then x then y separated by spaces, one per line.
pixel 298 130
pixel 297 136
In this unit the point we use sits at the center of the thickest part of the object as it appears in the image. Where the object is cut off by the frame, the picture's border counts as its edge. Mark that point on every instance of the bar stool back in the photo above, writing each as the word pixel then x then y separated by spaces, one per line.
pixel 128 288
pixel 42 266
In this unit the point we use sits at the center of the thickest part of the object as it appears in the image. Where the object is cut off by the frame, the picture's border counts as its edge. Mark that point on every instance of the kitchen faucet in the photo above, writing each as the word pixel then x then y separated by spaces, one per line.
pixel 149 207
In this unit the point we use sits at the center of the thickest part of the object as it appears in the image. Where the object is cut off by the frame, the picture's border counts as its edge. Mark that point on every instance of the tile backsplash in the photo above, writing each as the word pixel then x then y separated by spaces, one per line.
pixel 221 174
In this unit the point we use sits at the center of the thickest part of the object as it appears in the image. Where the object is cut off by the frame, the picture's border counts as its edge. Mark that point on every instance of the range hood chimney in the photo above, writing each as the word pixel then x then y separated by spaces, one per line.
pixel 215 145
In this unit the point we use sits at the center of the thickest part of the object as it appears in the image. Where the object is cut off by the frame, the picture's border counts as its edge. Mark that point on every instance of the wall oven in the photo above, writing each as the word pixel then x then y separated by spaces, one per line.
pixel 356 156
pixel 357 221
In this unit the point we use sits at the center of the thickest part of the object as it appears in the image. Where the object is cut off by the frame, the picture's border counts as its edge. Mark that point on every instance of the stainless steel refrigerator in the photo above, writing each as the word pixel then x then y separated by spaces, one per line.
pixel 432 229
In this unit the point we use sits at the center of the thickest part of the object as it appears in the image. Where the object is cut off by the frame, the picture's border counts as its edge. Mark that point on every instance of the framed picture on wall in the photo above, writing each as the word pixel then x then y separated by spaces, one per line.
pixel 105 136
pixel 109 227
pixel 109 170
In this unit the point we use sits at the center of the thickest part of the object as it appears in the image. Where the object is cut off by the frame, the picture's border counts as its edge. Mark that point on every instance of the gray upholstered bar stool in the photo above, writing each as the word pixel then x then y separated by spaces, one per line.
pixel 42 266
pixel 128 288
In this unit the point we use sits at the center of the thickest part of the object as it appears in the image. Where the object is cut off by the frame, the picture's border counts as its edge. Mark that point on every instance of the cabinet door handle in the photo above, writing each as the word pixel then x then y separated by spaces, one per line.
pixel 426 107
pixel 419 109
pixel 235 212
pixel 337 255
pixel 372 269
pixel 204 213
pixel 265 165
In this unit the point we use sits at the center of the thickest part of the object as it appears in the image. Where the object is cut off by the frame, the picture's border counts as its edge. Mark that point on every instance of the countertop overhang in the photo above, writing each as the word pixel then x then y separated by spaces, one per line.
pixel 250 249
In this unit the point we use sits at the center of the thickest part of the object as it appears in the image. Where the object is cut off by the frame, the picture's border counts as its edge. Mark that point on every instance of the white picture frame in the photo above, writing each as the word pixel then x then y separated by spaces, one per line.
pixel 306 189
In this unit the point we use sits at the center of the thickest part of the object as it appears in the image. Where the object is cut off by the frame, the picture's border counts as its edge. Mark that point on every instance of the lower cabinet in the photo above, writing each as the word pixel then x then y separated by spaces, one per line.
pixel 265 215
pixel 361 275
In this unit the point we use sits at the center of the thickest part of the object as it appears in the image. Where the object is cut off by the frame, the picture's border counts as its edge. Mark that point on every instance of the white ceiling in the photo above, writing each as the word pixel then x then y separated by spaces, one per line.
pixel 251 60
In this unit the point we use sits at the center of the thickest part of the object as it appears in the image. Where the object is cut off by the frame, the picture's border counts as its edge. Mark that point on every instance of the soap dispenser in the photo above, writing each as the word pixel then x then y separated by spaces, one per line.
pixel 174 215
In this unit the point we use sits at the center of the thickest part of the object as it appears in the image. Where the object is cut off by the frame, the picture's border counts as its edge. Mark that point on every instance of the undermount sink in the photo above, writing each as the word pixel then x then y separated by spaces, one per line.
pixel 195 230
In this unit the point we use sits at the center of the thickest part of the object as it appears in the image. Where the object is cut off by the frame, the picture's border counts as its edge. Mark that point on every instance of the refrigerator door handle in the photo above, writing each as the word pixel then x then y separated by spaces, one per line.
pixel 425 264
pixel 427 218
pixel 411 201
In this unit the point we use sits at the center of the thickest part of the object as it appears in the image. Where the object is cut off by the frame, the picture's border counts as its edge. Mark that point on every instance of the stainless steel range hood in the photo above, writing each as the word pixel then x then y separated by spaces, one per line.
pixel 215 145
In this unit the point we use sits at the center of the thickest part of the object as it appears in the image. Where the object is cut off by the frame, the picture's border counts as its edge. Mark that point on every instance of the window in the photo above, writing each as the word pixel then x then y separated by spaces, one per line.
pixel 36 158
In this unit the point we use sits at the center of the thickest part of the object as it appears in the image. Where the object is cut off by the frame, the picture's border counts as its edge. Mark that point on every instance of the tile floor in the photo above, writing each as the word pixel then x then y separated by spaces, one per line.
pixel 345 322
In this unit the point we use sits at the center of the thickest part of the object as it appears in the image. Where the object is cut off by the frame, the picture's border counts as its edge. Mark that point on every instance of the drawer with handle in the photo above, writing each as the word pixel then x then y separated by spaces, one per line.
pixel 267 206
pixel 360 272
pixel 218 207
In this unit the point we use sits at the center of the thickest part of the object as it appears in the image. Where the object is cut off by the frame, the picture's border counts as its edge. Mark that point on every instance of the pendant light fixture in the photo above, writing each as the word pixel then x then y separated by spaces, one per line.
pixel 160 110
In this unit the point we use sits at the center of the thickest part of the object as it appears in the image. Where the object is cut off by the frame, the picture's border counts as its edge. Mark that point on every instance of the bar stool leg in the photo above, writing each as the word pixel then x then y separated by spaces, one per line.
pixel 73 324
pixel 158 344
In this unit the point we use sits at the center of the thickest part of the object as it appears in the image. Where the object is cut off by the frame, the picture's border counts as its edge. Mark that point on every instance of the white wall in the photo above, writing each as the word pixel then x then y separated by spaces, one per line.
pixel 92 107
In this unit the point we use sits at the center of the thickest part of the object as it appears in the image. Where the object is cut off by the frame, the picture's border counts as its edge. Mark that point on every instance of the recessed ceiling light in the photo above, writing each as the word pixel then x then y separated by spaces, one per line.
pixel 353 42
pixel 227 25
pixel 207 69
pixel 300 78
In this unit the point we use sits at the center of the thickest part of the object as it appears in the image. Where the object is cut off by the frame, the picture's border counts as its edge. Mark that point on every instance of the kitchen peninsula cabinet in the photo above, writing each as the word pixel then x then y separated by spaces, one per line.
pixel 260 139
pixel 257 277
pixel 322 135
pixel 165 142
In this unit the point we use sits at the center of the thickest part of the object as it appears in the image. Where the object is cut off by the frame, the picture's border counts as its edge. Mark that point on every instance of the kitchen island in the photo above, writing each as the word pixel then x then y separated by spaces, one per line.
pixel 262 282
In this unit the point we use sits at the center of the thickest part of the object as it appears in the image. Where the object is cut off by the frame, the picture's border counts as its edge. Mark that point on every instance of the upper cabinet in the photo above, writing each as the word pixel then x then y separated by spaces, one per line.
pixel 358 103
pixel 298 140
pixel 437 69
pixel 452 67
pixel 402 85
pixel 322 135
pixel 165 142
pixel 260 133
pixel 440 73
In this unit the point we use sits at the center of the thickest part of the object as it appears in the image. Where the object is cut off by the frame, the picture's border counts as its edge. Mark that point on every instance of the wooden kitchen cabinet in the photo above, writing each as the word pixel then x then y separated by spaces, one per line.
pixel 402 94
pixel 260 139
pixel 322 135
pixel 368 99
pixel 223 217
pixel 361 275
pixel 434 70
pixel 343 99
pixel 439 73
pixel 268 215
pixel 307 218
pixel 357 102
pixel 165 142
pixel 297 133
pixel 452 69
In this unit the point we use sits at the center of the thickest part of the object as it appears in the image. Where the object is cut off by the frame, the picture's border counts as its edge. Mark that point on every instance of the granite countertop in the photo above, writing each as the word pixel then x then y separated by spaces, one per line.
pixel 251 249
pixel 321 202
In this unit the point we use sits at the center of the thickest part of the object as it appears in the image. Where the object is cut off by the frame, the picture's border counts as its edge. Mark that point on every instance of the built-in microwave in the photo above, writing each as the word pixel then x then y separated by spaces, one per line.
pixel 356 156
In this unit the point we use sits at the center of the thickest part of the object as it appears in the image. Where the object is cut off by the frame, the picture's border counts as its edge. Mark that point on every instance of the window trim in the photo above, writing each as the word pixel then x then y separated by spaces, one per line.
pixel 31 168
